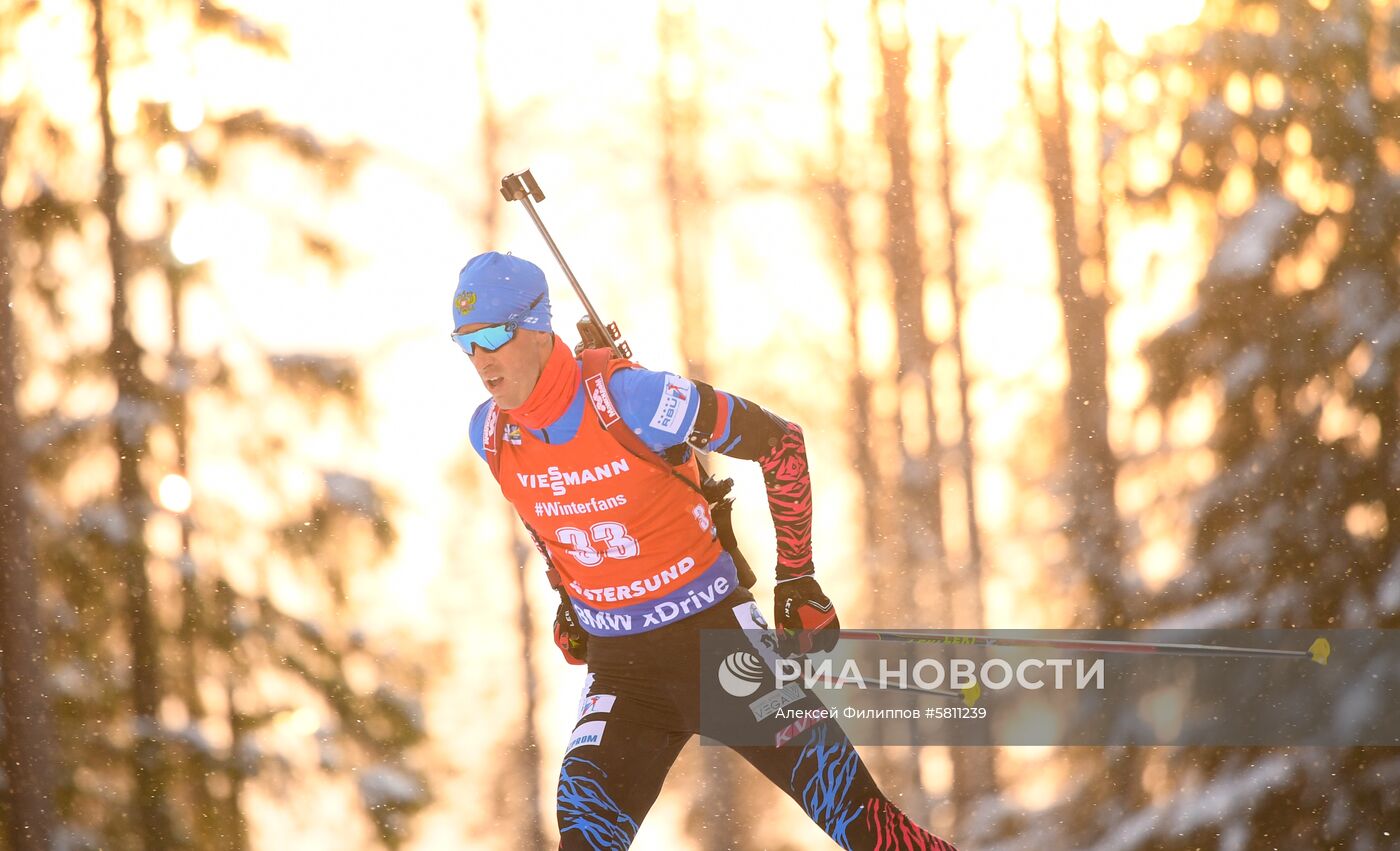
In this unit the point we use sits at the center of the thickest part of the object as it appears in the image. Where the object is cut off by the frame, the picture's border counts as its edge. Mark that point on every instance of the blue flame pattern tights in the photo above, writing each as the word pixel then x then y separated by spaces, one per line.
pixel 587 810
pixel 641 705
pixel 606 789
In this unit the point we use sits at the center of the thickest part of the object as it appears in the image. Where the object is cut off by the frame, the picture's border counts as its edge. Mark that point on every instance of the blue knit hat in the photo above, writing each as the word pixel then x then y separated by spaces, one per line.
pixel 494 288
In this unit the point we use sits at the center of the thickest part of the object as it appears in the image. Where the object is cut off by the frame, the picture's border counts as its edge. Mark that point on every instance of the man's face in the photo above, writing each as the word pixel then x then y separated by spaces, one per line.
pixel 509 373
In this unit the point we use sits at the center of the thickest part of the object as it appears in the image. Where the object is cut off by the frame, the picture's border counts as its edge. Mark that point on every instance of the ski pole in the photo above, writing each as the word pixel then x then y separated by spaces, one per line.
pixel 969 695
pixel 523 188
pixel 1318 652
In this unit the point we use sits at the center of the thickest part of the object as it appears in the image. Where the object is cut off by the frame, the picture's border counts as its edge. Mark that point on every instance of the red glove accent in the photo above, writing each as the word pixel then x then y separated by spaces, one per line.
pixel 569 637
pixel 805 617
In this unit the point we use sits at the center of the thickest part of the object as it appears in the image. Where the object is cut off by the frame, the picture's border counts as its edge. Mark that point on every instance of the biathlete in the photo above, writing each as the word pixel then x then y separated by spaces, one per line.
pixel 595 455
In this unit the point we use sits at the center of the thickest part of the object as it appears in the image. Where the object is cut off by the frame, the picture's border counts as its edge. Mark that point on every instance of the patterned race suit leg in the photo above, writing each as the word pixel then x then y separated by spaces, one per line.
pixel 640 706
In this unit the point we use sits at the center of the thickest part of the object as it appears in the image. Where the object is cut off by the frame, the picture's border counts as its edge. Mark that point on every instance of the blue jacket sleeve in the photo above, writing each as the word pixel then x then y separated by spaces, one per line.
pixel 477 429
pixel 658 406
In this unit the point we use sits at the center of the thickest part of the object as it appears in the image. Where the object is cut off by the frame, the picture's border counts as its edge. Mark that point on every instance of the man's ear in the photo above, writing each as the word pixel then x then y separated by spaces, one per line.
pixel 543 342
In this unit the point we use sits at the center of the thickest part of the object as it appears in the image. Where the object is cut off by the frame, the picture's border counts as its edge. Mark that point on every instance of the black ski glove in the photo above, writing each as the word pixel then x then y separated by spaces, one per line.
pixel 569 637
pixel 804 616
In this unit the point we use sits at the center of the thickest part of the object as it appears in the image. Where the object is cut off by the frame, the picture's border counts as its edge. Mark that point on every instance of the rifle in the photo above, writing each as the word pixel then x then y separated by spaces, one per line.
pixel 594 333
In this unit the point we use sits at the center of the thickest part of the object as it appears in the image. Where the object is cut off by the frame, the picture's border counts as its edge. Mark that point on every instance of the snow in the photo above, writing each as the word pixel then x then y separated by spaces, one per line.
pixel 1392 49
pixel 53 429
pixel 106 520
pixel 70 681
pixel 1234 838
pixel 1385 338
pixel 388 787
pixel 1342 31
pixel 1361 300
pixel 1356 709
pixel 1211 122
pixel 1360 111
pixel 180 379
pixel 1218 802
pixel 133 418
pixel 1214 614
pixel 1256 240
pixel 1243 370
pixel 310 630
pixel 248 755
pixel 69 838
pixel 353 493
pixel 325 370
pixel 328 752
pixel 1388 592
pixel 407 705
pixel 193 737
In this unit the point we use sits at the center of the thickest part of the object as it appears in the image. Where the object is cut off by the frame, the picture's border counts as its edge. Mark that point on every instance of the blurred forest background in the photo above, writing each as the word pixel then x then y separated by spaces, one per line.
pixel 1089 309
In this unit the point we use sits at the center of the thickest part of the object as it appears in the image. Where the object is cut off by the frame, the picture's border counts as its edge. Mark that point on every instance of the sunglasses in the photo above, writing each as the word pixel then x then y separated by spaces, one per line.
pixel 492 337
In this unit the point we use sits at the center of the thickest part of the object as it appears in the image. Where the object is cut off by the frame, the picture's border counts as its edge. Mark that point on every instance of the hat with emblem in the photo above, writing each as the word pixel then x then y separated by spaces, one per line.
pixel 494 288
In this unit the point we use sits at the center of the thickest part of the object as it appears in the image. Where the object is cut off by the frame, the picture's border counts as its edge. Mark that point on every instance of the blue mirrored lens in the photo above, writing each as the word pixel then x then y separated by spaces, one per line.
pixel 490 339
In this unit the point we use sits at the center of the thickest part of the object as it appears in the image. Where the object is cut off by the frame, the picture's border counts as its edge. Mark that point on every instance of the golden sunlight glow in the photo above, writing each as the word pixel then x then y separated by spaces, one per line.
pixel 1303 181
pixel 174 493
pixel 892 17
pixel 186 113
pixel 1268 91
pixel 1309 271
pixel 192 240
pixel 12 82
pixel 1298 140
pixel 1133 23
pixel 1037 775
pixel 1359 361
pixel 1159 562
pixel 170 158
pixel 1340 197
pixel 302 721
pixel 1193 420
pixel 1366 520
pixel 1368 435
pixel 1006 330
pixel 1238 95
pixel 1236 192
pixel 1389 151
pixel 1164 710
pixel 1338 420
pixel 1260 18
pixel 591 136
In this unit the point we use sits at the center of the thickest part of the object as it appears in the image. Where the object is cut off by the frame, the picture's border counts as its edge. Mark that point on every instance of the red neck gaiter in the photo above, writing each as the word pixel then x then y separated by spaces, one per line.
pixel 553 391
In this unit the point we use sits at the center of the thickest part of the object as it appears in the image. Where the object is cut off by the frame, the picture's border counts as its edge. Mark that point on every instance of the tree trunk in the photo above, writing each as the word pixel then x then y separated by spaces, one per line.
pixel 128 434
pixel 922 551
pixel 687 203
pixel 1094 526
pixel 235 828
pixel 974 764
pixel 683 187
pixel 525 756
pixel 198 767
pixel 26 741
pixel 836 194
pixel 490 126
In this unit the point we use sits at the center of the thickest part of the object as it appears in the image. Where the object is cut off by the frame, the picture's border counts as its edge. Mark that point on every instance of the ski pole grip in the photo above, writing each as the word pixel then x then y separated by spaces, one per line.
pixel 519 186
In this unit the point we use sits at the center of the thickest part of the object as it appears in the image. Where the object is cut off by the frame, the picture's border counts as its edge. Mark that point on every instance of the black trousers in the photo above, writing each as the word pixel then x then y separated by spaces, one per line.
pixel 641 705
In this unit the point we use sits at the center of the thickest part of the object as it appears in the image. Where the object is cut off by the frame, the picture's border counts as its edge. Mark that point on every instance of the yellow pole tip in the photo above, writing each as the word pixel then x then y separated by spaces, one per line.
pixel 1320 650
pixel 972 694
